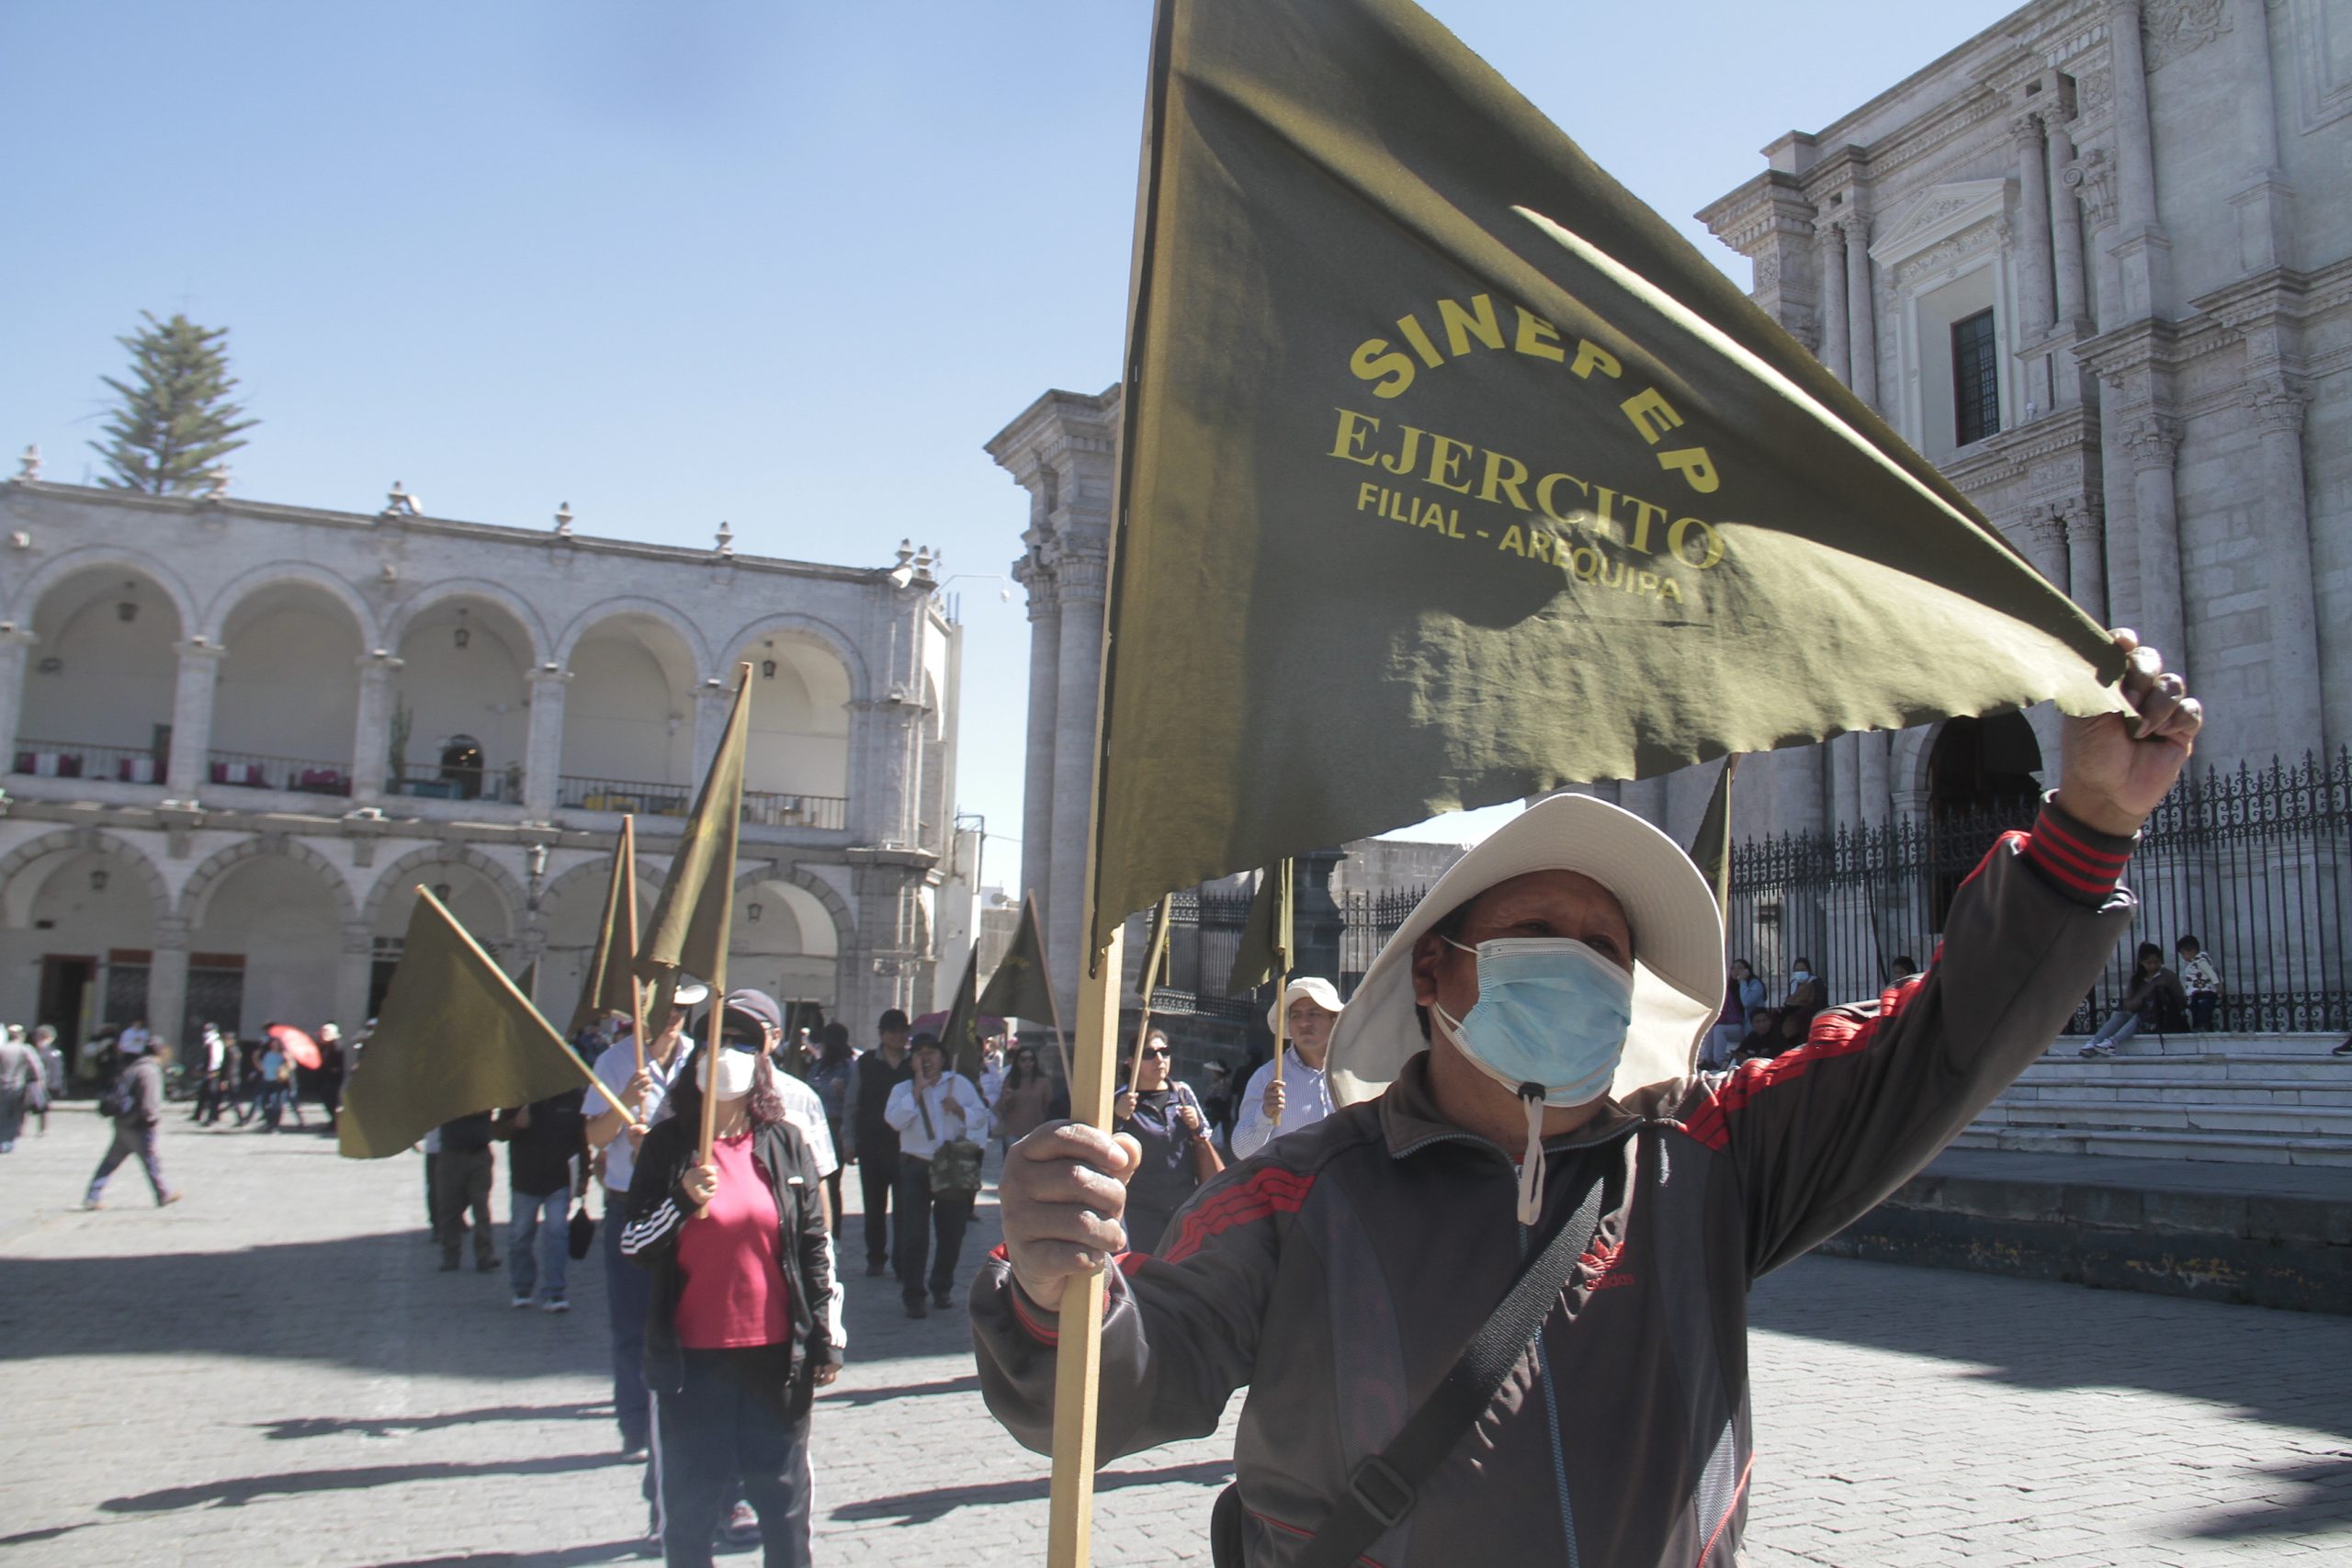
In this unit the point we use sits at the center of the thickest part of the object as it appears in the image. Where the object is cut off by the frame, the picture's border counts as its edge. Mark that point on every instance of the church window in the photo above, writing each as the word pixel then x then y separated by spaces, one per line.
pixel 1976 379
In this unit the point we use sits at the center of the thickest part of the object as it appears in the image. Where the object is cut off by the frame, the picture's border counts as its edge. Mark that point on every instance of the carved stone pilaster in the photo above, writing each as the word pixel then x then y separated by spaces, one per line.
pixel 2152 440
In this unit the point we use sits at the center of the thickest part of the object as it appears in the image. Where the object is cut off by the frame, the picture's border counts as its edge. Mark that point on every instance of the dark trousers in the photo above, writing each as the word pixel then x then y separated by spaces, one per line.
pixel 130 1140
pixel 726 1425
pixel 927 1224
pixel 833 1182
pixel 875 1179
pixel 461 1183
pixel 629 1290
pixel 2203 1005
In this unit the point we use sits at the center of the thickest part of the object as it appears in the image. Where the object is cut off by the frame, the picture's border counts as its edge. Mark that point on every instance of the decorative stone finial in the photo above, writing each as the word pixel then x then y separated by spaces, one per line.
pixel 725 540
pixel 401 503
pixel 29 466
pixel 563 520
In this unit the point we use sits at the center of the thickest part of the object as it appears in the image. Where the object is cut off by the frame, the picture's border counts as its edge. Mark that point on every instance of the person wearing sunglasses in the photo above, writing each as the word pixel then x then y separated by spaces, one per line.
pixel 1166 1119
pixel 743 1326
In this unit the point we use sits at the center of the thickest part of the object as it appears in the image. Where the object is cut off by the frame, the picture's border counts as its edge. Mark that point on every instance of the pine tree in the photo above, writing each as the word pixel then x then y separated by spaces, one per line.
pixel 174 421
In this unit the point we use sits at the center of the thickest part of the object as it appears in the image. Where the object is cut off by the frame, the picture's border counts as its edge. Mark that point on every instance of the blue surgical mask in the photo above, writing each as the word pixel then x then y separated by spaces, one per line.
pixel 1551 1013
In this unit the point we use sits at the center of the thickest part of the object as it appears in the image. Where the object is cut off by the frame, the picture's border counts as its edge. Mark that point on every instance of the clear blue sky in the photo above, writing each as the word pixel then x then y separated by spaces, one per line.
pixel 780 263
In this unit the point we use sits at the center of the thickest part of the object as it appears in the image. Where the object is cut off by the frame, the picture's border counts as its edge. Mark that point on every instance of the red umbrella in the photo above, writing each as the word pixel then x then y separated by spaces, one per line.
pixel 297 1044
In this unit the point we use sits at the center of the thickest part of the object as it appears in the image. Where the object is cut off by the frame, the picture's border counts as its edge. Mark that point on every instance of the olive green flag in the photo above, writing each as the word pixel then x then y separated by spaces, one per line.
pixel 1019 988
pixel 693 917
pixel 611 983
pixel 1452 474
pixel 454 1036
pixel 960 1035
pixel 1711 847
pixel 1265 949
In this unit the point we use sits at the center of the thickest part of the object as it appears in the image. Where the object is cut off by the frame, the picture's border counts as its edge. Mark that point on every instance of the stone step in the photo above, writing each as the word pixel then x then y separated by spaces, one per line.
pixel 2324 1122
pixel 2189 1043
pixel 2066 1063
pixel 2247 1148
pixel 2095 1088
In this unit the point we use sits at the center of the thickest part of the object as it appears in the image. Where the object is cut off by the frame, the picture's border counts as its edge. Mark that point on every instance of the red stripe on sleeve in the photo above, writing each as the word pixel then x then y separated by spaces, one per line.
pixel 1834 1034
pixel 1268 1192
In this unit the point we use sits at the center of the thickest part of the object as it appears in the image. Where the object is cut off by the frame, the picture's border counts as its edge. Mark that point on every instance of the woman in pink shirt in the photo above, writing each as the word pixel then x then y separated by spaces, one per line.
pixel 741 1326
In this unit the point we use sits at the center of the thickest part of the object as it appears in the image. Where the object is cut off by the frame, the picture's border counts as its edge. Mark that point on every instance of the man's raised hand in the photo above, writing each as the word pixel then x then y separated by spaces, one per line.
pixel 2116 766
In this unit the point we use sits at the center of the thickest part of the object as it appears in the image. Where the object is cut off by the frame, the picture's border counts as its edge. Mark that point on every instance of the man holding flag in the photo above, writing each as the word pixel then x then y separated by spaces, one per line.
pixel 1530 1035
pixel 1298 1096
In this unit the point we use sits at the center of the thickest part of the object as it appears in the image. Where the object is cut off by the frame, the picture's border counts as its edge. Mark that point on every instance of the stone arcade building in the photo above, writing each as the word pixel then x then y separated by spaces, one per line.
pixel 243 734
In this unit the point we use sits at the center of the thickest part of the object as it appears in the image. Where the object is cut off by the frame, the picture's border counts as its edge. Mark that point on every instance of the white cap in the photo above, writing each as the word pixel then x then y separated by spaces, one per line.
pixel 1315 988
pixel 1678 943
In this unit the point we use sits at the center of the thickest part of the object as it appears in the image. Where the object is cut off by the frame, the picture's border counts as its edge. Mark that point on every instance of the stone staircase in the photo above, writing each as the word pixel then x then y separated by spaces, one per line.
pixel 2246 1099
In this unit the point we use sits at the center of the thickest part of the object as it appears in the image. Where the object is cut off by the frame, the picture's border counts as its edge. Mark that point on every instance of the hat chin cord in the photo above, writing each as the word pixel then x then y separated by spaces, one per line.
pixel 1531 1095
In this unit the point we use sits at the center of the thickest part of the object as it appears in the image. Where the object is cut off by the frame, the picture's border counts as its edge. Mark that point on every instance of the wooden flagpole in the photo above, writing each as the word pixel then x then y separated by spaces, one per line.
pixel 1077 1356
pixel 1154 956
pixel 636 989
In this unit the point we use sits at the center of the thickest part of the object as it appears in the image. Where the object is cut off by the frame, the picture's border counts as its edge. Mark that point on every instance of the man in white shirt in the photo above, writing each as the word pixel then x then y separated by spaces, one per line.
pixel 934 1107
pixel 617 1118
pixel 1309 1007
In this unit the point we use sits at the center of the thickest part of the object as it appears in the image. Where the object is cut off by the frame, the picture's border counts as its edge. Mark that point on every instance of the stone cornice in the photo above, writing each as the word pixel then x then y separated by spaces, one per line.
pixel 222 508
pixel 1056 411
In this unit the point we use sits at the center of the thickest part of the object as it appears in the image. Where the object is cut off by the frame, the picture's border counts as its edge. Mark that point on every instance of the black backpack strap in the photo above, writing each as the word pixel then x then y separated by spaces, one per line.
pixel 1385 1486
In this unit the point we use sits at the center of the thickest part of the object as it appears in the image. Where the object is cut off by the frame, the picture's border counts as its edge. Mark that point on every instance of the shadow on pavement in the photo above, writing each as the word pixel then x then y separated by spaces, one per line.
pixel 922 1507
pixel 899 1391
pixel 237 1492
pixel 2281 1368
pixel 604 1551
pixel 332 1427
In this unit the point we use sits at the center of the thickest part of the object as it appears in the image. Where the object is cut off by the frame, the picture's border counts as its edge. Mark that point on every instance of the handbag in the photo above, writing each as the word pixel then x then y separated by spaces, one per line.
pixel 582 1234
pixel 956 1164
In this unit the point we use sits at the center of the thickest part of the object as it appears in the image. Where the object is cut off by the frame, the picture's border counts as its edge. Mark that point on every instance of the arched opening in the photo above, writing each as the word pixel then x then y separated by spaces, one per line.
pixel 266 945
pixel 474 898
pixel 1983 779
pixel 461 766
pixel 288 702
pixel 784 944
pixel 76 945
pixel 571 910
pixel 796 775
pixel 463 685
pixel 628 728
pixel 99 680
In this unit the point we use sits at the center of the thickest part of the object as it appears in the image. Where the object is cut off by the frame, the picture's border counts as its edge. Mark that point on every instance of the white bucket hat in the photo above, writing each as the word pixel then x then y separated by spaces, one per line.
pixel 1315 988
pixel 1678 943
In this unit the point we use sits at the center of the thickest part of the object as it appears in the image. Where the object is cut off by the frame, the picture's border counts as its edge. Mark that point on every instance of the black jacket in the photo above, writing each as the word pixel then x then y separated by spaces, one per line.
pixel 657 1212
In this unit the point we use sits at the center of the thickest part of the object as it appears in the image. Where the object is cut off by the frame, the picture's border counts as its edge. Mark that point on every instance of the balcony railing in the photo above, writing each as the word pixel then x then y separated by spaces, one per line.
pixel 779 809
pixel 253 769
pixel 498 785
pixel 80 760
pixel 579 793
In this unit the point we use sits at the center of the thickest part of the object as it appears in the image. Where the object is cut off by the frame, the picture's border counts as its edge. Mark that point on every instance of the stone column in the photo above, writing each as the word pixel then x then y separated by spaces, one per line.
pixel 1645 799
pixel 2086 555
pixel 2142 252
pixel 1862 312
pixel 1045 718
pixel 2293 660
pixel 1877 749
pixel 354 971
pixel 2152 440
pixel 2037 289
pixel 882 733
pixel 2066 228
pixel 200 672
pixel 2264 202
pixel 1835 325
pixel 2043 540
pixel 167 985
pixel 13 640
pixel 1845 782
pixel 371 742
pixel 543 747
pixel 712 699
pixel 1800 789
pixel 1079 668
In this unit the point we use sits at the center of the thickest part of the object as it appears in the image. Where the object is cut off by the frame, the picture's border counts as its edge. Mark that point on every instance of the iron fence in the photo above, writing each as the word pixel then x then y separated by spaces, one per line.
pixel 1204 933
pixel 2257 863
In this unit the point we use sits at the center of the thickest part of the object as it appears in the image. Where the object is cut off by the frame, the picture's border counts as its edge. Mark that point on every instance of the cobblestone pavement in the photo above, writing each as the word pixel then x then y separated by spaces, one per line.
pixel 273 1374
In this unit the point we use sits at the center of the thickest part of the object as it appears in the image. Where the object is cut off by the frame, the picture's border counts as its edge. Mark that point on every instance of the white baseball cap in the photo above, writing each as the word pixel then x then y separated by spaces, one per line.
pixel 1315 988
pixel 1678 943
